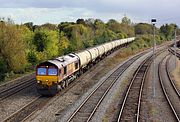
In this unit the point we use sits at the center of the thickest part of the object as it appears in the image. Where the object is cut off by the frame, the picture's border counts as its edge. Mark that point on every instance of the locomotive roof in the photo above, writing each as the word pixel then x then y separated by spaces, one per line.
pixel 62 61
pixel 67 59
pixel 50 63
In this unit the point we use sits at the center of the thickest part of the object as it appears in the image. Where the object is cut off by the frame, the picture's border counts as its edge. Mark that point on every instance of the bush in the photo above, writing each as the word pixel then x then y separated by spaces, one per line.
pixel 32 57
pixel 145 41
pixel 3 69
pixel 121 35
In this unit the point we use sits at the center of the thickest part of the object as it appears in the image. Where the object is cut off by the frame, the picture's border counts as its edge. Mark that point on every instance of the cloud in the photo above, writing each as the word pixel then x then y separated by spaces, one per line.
pixel 53 15
pixel 42 3
pixel 43 15
pixel 41 11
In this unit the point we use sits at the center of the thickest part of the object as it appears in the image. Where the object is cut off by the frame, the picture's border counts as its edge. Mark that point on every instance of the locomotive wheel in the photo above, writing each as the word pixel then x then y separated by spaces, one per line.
pixel 60 87
pixel 67 83
pixel 63 85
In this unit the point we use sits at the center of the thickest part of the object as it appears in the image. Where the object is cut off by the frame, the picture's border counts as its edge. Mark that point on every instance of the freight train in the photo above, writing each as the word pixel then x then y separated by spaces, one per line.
pixel 55 74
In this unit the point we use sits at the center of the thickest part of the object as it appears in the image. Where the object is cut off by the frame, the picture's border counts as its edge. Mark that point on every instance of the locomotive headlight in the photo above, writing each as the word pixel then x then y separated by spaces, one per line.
pixel 38 81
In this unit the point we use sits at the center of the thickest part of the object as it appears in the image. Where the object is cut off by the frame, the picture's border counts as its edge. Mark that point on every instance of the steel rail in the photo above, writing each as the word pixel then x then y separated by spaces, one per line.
pixel 15 88
pixel 146 62
pixel 165 93
pixel 106 91
pixel 170 79
pixel 128 91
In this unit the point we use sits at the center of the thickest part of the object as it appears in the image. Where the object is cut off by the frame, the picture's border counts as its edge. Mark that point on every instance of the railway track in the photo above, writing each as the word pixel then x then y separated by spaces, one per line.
pixel 89 106
pixel 171 95
pixel 169 76
pixel 27 110
pixel 130 108
pixel 172 51
pixel 131 104
pixel 7 92
pixel 100 92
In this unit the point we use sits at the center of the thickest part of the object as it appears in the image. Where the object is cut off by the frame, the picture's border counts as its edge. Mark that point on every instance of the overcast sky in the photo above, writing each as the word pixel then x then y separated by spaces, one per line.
pixel 56 11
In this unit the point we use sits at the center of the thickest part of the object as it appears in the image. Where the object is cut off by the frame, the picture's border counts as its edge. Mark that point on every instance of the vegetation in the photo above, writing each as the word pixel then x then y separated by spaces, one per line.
pixel 143 28
pixel 23 46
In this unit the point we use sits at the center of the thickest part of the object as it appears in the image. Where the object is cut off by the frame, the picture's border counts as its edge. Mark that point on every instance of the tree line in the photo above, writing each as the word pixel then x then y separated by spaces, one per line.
pixel 23 46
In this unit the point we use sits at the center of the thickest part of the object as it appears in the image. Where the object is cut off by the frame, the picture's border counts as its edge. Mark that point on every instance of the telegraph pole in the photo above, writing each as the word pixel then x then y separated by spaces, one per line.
pixel 175 61
pixel 153 21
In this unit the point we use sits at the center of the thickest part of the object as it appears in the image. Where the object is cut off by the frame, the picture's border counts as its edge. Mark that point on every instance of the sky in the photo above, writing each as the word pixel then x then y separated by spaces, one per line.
pixel 56 11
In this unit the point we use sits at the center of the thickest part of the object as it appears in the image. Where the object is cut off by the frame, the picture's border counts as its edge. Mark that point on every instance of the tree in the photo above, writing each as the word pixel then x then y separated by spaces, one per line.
pixel 125 20
pixel 12 47
pixel 32 57
pixel 76 33
pixel 99 24
pixel 167 31
pixel 62 25
pixel 127 30
pixel 114 26
pixel 3 68
pixel 52 44
pixel 27 36
pixel 99 27
pixel 29 25
pixel 47 42
pixel 88 43
pixel 143 28
pixel 90 22
pixel 63 45
pixel 81 21
pixel 36 27
pixel 49 26
pixel 40 40
pixel 121 35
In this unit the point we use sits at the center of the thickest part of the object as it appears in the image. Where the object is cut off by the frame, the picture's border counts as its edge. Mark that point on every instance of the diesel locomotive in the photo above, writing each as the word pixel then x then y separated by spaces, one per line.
pixel 55 74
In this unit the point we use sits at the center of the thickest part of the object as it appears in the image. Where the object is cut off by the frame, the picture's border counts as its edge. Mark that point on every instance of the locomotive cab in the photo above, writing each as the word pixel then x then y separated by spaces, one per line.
pixel 47 77
pixel 56 74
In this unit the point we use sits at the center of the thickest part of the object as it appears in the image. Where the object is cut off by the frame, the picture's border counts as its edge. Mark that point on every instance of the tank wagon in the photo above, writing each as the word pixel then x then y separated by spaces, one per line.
pixel 55 74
